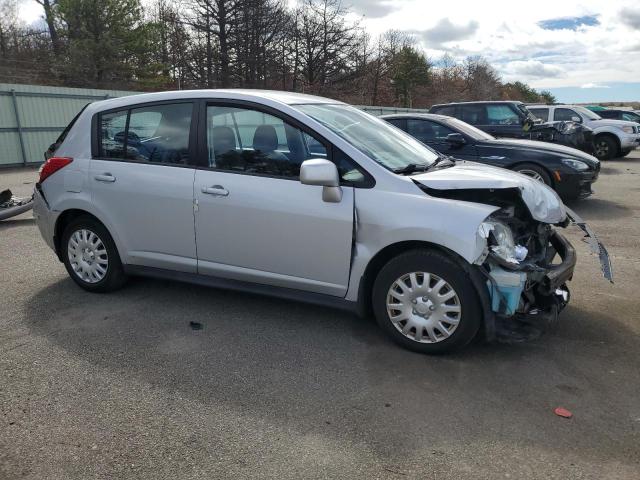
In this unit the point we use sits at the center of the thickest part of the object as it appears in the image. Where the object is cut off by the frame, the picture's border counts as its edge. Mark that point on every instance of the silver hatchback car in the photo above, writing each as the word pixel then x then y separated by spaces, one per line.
pixel 304 198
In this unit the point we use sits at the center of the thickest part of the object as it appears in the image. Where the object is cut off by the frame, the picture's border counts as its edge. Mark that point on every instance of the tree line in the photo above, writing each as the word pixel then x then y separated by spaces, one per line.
pixel 312 47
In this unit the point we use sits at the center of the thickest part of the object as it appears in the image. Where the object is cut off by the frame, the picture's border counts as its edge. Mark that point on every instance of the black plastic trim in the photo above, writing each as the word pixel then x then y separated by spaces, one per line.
pixel 248 287
pixel 562 273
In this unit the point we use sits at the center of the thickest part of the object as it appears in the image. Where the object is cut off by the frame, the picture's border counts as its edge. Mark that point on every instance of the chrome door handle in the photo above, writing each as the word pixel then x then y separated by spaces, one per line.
pixel 217 190
pixel 105 177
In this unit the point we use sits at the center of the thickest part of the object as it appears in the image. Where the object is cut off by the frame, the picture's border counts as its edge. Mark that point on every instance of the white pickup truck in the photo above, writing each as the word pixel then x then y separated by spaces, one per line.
pixel 611 138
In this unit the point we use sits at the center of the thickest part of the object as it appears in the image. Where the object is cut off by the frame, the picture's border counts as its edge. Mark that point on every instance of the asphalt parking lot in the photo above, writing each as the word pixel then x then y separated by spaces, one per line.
pixel 120 386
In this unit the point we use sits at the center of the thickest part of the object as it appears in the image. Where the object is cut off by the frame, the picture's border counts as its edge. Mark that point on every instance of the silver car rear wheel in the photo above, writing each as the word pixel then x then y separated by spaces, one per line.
pixel 423 307
pixel 87 255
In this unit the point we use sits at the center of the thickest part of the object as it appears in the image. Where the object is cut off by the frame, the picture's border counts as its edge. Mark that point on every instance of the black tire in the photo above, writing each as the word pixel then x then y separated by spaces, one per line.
pixel 442 266
pixel 114 277
pixel 528 168
pixel 605 147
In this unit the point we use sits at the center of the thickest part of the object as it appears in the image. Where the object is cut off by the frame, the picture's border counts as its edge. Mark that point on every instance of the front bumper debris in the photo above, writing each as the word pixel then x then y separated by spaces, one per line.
pixel 596 246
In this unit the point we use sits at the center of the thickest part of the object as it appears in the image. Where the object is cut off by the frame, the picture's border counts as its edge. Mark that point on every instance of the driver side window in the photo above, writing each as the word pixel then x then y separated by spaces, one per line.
pixel 564 115
pixel 251 141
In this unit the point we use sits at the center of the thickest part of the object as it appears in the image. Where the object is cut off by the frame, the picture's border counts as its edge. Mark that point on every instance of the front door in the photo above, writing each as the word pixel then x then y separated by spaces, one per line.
pixel 255 221
pixel 144 192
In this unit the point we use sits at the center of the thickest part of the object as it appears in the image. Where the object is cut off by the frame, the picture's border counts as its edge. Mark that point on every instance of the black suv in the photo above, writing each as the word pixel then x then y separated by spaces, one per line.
pixel 499 118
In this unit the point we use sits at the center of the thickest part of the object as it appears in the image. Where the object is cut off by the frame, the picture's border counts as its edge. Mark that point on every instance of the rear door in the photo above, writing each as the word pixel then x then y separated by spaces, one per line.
pixel 255 221
pixel 141 178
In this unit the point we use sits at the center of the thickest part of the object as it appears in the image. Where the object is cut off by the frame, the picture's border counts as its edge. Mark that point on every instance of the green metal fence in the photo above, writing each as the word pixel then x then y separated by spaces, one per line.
pixel 32 117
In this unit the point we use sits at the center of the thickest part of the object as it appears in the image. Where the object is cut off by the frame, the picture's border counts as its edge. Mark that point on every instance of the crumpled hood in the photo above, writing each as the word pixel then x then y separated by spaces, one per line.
pixel 561 150
pixel 543 203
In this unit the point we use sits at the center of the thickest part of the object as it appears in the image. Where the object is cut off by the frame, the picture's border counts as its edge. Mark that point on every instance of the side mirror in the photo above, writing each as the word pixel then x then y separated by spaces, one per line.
pixel 324 173
pixel 576 119
pixel 455 140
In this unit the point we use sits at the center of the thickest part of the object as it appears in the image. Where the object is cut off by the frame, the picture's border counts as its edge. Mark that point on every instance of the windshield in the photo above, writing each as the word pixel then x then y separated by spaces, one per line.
pixel 379 140
pixel 588 113
pixel 469 130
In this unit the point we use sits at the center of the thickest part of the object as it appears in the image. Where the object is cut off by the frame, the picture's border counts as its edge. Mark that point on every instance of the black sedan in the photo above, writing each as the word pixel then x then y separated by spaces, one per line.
pixel 568 171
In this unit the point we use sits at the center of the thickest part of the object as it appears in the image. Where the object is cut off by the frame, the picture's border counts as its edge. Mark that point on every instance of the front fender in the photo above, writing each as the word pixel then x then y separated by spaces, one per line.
pixel 385 218
pixel 606 129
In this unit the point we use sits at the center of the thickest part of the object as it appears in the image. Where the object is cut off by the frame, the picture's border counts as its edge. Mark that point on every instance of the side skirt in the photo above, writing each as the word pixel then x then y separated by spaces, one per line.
pixel 247 287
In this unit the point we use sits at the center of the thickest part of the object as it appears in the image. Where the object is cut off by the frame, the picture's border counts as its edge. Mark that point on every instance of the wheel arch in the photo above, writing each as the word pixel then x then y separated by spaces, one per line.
pixel 64 219
pixel 537 164
pixel 376 263
pixel 611 135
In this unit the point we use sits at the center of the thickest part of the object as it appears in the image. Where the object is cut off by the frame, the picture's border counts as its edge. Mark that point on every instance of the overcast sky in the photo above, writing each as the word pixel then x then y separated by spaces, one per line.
pixel 586 50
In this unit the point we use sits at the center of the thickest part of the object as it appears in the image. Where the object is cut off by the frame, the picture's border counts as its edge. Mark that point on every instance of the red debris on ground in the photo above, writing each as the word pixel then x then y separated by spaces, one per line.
pixel 563 412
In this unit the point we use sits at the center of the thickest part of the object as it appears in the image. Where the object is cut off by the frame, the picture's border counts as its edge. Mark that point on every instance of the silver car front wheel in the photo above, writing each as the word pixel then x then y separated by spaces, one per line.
pixel 423 307
pixel 87 255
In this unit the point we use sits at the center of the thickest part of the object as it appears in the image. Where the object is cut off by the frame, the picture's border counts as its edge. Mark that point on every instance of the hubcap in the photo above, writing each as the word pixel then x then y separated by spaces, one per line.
pixel 602 149
pixel 423 307
pixel 532 174
pixel 87 256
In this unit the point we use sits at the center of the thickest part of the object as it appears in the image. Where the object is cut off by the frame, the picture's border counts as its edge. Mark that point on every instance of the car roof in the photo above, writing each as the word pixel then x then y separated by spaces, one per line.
pixel 476 102
pixel 288 98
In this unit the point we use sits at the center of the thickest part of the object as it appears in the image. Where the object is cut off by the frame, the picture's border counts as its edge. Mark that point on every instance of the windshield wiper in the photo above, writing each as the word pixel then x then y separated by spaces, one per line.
pixel 411 168
pixel 421 167
pixel 442 159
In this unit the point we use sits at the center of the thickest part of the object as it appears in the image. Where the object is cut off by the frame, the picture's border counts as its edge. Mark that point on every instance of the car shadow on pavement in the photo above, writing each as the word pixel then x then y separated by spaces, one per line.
pixel 599 208
pixel 332 374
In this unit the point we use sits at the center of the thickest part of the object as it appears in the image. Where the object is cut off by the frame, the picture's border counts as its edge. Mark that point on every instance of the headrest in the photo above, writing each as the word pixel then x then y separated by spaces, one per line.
pixel 265 139
pixel 223 140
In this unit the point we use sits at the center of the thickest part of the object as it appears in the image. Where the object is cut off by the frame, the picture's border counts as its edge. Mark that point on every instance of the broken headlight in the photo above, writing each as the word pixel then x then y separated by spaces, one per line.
pixel 500 241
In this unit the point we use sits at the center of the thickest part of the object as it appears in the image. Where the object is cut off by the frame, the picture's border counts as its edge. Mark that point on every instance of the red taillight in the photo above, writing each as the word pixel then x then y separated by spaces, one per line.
pixel 52 165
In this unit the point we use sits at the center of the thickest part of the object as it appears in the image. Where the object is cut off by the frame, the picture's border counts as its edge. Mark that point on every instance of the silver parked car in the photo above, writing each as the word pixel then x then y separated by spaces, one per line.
pixel 611 138
pixel 304 198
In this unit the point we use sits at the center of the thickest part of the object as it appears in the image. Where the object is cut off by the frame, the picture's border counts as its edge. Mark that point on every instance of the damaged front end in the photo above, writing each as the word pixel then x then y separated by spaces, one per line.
pixel 525 263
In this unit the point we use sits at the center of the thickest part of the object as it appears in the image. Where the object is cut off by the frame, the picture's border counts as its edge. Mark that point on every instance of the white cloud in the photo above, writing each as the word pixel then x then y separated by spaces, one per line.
pixel 509 35
pixel 594 85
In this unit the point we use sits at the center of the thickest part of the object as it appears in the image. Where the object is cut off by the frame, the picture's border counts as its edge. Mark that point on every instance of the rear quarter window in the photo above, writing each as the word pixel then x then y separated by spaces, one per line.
pixel 448 110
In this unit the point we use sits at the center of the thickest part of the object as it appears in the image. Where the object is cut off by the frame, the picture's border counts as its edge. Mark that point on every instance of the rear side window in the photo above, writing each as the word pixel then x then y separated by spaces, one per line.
pixel 541 113
pixel 152 134
pixel 427 131
pixel 396 122
pixel 501 114
pixel 113 127
pixel 564 115
pixel 473 114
